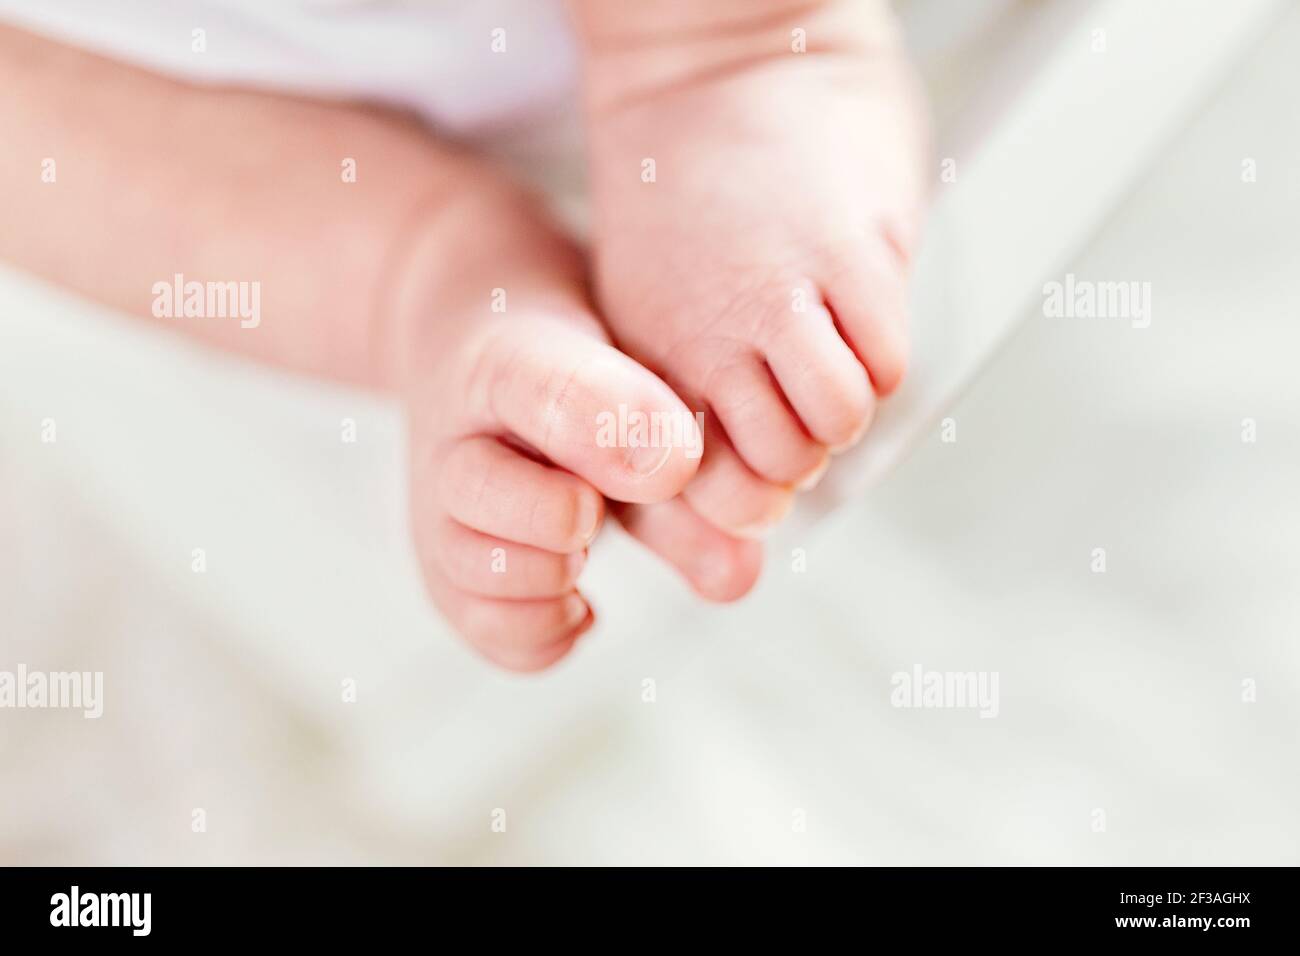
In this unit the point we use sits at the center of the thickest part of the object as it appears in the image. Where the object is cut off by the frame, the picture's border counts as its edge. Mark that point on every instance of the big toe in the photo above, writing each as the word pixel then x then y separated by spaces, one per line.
pixel 591 410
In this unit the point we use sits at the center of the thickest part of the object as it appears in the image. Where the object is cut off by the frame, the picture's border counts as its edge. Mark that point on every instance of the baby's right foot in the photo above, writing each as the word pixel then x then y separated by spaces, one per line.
pixel 507 372
pixel 757 184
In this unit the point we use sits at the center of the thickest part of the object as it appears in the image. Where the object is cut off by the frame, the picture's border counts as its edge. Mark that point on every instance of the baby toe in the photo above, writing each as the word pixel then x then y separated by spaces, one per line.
pixel 493 567
pixel 867 294
pixel 485 485
pixel 717 566
pixel 528 658
pixel 760 424
pixel 821 377
pixel 517 635
pixel 593 411
pixel 727 494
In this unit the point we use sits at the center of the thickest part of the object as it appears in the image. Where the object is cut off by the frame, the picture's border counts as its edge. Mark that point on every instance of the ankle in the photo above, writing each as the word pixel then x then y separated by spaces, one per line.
pixel 633 53
pixel 467 261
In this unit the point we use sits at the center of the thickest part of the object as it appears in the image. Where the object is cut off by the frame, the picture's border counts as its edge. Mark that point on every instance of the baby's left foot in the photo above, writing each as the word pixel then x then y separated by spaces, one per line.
pixel 507 376
pixel 755 211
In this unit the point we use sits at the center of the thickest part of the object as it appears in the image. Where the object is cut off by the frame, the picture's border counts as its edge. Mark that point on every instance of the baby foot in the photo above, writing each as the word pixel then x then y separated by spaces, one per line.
pixel 508 374
pixel 755 210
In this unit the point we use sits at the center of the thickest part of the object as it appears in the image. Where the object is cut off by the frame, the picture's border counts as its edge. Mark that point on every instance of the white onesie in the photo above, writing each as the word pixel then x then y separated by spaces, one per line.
pixel 475 69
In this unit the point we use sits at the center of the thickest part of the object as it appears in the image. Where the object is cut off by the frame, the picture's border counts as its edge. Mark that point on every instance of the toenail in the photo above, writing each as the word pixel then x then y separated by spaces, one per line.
pixel 575 562
pixel 757 530
pixel 810 482
pixel 588 517
pixel 645 460
pixel 575 610
pixel 853 440
pixel 712 574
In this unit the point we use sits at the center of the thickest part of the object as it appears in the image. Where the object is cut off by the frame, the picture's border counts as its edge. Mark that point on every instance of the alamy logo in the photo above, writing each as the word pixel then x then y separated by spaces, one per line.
pixel 102 909
pixel 973 690
pixel 1082 299
pixel 630 428
pixel 179 299
pixel 58 690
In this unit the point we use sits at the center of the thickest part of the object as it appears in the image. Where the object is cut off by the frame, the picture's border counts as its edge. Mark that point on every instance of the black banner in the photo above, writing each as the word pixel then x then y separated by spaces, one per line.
pixel 336 906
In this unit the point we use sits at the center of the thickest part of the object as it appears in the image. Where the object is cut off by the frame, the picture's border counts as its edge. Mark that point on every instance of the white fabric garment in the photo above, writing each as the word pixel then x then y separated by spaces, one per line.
pixel 435 57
